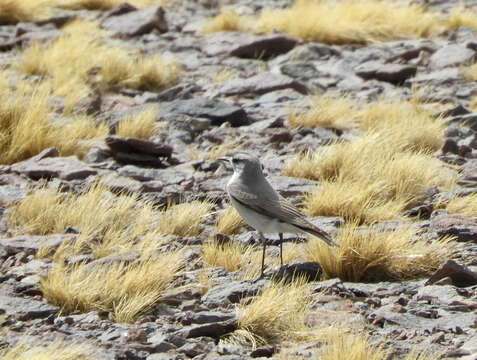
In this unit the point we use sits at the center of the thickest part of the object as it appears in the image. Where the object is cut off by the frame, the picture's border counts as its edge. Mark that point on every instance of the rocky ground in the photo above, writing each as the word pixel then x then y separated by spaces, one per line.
pixel 227 94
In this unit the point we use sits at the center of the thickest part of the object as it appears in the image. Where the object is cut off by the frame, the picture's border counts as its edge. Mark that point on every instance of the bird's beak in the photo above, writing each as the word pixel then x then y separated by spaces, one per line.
pixel 224 159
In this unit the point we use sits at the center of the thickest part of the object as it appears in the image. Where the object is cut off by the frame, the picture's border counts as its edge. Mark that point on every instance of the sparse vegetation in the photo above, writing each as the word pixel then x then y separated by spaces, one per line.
pixel 466 205
pixel 346 21
pixel 342 345
pixel 231 256
pixel 228 222
pixel 13 11
pixel 469 73
pixel 407 122
pixel 73 75
pixel 125 290
pixel 374 175
pixel 227 20
pixel 371 254
pixel 326 111
pixel 119 223
pixel 58 350
pixel 367 179
pixel 141 125
pixel 26 128
pixel 184 219
pixel 276 314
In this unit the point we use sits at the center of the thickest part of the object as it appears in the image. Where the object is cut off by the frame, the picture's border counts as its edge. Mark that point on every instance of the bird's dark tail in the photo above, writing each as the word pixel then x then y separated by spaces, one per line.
pixel 323 235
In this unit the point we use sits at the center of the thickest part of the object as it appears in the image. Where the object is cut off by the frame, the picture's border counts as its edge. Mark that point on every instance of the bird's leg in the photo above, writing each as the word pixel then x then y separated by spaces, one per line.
pixel 264 241
pixel 281 248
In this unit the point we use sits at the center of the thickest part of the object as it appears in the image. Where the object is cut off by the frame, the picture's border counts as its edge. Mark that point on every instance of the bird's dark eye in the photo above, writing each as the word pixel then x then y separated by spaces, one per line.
pixel 235 161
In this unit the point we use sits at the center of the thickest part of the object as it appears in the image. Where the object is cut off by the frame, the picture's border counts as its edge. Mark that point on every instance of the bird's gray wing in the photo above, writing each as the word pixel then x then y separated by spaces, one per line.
pixel 276 207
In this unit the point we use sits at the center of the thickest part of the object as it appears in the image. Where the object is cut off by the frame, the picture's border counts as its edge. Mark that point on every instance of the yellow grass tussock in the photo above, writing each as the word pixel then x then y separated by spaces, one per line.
pixel 460 16
pixel 116 222
pixel 469 73
pixel 73 75
pixel 26 128
pixel 228 222
pixel 406 121
pixel 370 254
pixel 124 290
pixel 326 111
pixel 342 345
pixel 274 315
pixel 57 350
pixel 227 20
pixel 13 11
pixel 466 205
pixel 368 178
pixel 141 125
pixel 337 22
pixel 231 256
pixel 184 219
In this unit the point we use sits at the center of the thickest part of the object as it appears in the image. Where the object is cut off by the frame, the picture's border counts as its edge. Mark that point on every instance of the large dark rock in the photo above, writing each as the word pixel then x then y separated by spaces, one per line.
pixel 392 73
pixel 129 150
pixel 215 110
pixel 247 45
pixel 215 329
pixel 309 271
pixel 134 145
pixel 135 23
pixel 461 275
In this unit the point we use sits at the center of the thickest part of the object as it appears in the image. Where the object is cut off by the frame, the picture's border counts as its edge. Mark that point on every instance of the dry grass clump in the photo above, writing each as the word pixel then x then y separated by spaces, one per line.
pixel 228 222
pixel 469 73
pixel 466 205
pixel 326 111
pixel 337 22
pixel 460 16
pixel 231 256
pixel 58 350
pixel 370 254
pixel 13 11
pixel 184 219
pixel 116 223
pixel 275 315
pixel 369 178
pixel 141 125
pixel 405 121
pixel 73 75
pixel 227 20
pixel 341 345
pixel 25 127
pixel 124 290
pixel 362 177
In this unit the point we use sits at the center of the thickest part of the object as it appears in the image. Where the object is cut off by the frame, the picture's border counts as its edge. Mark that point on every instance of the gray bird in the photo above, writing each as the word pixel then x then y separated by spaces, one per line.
pixel 262 207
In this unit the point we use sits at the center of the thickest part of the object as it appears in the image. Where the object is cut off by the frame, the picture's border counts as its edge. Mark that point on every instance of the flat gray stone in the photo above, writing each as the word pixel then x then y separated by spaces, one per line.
pixel 26 309
pixel 262 83
pixel 139 22
pixel 452 55
pixel 65 168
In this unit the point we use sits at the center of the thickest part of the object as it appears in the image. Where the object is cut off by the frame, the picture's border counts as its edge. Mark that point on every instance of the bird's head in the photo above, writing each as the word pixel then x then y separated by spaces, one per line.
pixel 243 162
